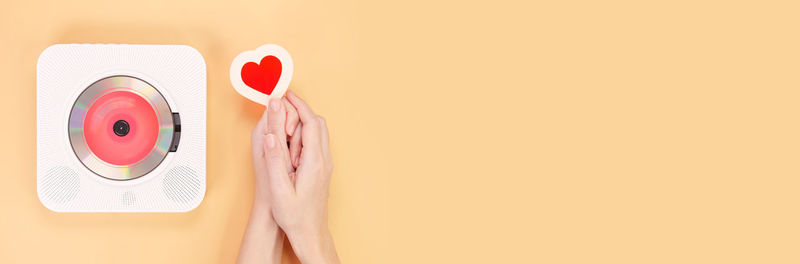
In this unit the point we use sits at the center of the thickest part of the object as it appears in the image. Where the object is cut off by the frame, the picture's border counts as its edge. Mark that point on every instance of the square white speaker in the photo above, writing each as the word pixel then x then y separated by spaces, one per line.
pixel 120 128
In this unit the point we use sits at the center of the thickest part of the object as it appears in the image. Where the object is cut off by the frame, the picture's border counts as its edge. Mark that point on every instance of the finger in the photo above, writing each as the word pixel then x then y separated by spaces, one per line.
pixel 305 113
pixel 262 123
pixel 276 121
pixel 295 145
pixel 277 172
pixel 257 141
pixel 310 133
pixel 257 137
pixel 326 152
pixel 324 139
pixel 292 119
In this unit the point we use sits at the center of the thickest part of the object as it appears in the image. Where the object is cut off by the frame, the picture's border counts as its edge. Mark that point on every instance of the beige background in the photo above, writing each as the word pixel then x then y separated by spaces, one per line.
pixel 463 132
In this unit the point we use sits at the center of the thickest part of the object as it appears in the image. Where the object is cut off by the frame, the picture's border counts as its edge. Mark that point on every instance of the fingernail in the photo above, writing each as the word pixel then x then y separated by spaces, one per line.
pixel 270 141
pixel 274 104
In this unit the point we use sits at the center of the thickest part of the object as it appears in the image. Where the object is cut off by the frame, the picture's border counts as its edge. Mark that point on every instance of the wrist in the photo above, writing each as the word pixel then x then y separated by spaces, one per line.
pixel 263 239
pixel 261 214
pixel 313 245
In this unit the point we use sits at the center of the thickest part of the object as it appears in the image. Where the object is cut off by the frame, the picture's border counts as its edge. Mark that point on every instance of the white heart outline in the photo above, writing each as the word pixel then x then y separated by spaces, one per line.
pixel 287 69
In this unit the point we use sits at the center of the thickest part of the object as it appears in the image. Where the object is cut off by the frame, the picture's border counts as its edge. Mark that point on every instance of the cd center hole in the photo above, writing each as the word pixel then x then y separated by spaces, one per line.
pixel 121 128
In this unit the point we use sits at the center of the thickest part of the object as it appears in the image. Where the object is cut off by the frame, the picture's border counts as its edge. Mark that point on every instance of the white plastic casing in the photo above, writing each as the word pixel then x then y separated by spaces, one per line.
pixel 64 184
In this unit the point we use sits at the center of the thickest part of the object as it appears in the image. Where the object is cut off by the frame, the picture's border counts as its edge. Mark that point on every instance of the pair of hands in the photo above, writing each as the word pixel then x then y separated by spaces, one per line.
pixel 293 166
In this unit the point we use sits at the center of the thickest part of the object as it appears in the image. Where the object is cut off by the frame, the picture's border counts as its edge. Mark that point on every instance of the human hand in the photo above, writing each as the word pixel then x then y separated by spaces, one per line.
pixel 298 198
pixel 292 134
pixel 263 239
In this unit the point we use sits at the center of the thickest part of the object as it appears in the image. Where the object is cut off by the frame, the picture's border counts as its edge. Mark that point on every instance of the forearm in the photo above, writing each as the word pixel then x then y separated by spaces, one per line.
pixel 263 240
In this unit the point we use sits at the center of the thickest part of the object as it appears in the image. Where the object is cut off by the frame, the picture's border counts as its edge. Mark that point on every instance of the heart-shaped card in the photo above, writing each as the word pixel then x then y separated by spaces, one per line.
pixel 262 73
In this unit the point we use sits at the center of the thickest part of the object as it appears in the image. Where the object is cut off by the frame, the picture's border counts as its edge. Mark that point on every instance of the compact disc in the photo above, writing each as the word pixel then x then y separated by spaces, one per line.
pixel 121 127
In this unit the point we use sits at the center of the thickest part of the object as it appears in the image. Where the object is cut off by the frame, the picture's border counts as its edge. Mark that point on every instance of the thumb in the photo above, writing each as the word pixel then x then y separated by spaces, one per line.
pixel 276 161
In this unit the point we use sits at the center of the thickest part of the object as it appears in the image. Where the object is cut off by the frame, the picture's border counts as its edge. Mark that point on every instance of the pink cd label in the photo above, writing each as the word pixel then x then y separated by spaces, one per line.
pixel 121 108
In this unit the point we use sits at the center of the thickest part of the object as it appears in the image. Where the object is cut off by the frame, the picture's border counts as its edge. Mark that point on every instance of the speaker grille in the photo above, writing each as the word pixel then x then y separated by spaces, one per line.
pixel 182 184
pixel 60 185
pixel 128 199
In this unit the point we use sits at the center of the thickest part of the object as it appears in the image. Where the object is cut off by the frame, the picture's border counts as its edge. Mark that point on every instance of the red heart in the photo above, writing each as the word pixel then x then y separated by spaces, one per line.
pixel 264 76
